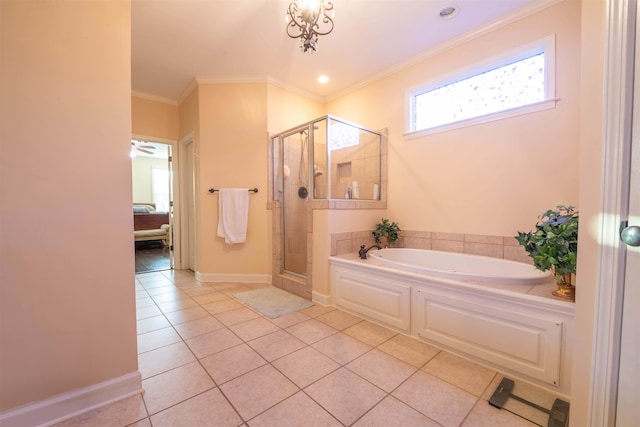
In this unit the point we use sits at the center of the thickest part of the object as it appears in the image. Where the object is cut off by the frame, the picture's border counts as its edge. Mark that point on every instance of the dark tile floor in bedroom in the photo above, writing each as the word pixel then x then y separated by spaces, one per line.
pixel 208 360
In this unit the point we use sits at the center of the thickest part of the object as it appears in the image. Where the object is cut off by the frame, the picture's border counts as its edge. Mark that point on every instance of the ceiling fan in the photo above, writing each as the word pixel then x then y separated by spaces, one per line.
pixel 138 145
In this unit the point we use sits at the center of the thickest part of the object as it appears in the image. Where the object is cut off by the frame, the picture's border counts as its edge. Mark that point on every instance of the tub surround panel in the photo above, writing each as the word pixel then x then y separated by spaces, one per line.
pixel 523 342
pixel 515 329
pixel 387 301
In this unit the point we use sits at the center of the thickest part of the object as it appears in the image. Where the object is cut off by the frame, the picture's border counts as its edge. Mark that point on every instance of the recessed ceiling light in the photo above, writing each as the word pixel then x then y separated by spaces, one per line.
pixel 448 12
pixel 323 79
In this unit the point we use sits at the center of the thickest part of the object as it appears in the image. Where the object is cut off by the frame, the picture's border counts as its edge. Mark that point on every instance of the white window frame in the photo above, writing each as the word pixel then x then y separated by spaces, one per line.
pixel 155 192
pixel 544 45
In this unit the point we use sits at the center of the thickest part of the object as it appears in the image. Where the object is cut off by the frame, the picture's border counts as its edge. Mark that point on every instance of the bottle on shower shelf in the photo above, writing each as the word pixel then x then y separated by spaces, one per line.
pixel 355 192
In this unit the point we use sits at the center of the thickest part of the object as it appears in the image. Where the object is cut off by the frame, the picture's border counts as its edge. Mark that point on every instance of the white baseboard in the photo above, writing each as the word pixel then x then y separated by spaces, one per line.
pixel 233 278
pixel 73 403
pixel 322 299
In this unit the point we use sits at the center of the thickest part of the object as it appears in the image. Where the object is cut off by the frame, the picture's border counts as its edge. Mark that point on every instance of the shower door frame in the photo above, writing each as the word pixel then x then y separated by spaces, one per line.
pixel 308 127
pixel 278 195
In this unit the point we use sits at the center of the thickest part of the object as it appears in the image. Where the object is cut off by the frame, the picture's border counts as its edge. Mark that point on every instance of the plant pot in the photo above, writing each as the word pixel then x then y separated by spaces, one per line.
pixel 566 288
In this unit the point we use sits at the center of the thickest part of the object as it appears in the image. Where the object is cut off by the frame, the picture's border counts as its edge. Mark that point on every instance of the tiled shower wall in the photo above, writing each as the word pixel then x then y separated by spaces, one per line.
pixel 361 162
pixel 300 286
pixel 475 244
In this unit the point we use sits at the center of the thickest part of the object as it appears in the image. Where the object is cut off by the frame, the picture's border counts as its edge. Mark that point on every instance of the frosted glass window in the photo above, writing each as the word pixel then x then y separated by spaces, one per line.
pixel 510 86
pixel 343 136
pixel 521 81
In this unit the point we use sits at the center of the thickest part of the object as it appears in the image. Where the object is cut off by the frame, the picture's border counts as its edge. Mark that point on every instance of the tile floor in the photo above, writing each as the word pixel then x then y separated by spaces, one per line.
pixel 151 256
pixel 208 360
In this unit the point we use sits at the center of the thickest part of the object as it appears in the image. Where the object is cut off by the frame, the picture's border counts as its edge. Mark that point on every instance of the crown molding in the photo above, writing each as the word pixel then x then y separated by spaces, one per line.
pixel 296 90
pixel 443 47
pixel 231 79
pixel 246 79
pixel 450 44
pixel 156 98
pixel 187 91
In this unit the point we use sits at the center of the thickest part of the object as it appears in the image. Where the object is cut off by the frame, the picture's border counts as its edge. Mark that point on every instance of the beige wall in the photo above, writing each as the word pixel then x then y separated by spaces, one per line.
pixel 154 118
pixel 591 151
pixel 67 319
pixel 188 114
pixel 230 125
pixel 493 178
pixel 232 152
pixel 233 133
pixel 286 109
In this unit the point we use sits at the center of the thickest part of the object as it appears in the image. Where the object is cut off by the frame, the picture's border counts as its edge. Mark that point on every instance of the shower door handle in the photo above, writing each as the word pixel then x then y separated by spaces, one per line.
pixel 630 234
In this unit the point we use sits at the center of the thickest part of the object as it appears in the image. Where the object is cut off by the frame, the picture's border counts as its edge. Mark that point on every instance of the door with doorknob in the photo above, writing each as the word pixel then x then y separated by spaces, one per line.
pixel 628 402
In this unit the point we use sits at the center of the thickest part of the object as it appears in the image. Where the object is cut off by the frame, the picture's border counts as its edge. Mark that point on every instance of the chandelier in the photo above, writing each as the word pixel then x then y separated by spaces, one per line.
pixel 308 19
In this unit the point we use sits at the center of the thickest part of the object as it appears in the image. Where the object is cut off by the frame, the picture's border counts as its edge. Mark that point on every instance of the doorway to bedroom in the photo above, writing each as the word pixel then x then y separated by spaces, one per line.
pixel 152 205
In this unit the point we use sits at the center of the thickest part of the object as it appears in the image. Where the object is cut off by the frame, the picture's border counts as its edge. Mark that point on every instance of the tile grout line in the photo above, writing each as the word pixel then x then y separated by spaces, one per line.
pixel 307 345
pixel 198 360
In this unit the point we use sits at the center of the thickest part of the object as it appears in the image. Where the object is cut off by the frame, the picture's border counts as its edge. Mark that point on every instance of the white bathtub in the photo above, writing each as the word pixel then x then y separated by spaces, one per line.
pixel 499 313
pixel 460 266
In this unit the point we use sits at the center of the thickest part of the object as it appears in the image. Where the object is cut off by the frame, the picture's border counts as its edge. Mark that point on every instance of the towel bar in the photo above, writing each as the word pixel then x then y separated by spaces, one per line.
pixel 213 190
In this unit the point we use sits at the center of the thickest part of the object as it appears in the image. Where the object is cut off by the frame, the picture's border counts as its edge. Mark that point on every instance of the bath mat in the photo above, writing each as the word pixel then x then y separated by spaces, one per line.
pixel 273 302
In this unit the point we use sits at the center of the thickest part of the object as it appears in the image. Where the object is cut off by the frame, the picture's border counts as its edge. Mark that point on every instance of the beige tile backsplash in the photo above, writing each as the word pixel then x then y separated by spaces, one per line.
pixel 474 244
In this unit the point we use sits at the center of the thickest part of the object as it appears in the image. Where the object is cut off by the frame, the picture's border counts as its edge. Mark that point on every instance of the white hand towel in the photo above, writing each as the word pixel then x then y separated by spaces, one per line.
pixel 233 214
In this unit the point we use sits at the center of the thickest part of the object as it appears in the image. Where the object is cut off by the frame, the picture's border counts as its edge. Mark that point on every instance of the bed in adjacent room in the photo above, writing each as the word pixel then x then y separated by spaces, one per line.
pixel 149 224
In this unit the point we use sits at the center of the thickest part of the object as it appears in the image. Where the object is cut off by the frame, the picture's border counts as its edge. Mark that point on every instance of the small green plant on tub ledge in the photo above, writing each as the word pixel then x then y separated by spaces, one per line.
pixel 554 246
pixel 390 231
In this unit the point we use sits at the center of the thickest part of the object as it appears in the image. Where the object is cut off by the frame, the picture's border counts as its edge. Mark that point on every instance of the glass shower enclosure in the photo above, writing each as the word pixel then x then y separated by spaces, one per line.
pixel 327 158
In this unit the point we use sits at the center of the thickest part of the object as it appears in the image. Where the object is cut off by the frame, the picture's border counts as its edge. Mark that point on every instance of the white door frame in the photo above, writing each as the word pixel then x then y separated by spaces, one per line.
pixel 175 193
pixel 618 85
pixel 182 257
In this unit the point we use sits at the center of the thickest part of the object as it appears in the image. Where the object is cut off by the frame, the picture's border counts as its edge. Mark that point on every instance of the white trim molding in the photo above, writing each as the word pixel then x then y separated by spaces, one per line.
pixel 322 299
pixel 534 7
pixel 233 278
pixel 155 98
pixel 73 403
pixel 149 138
pixel 618 92
pixel 545 46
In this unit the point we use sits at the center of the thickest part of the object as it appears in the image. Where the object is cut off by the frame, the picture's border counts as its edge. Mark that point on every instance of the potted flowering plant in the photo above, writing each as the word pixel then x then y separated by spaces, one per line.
pixel 553 245
pixel 390 231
